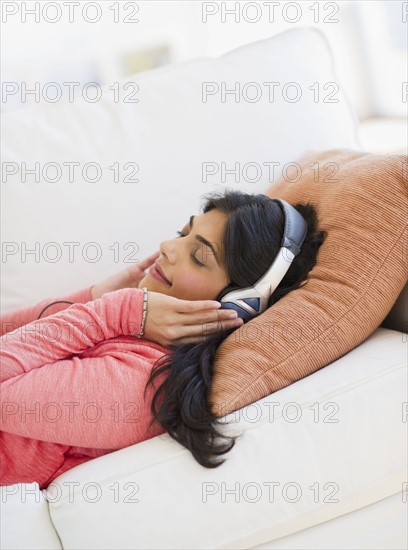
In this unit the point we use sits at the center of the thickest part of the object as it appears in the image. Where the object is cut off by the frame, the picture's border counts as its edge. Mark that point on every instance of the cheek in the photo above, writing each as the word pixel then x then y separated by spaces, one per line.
pixel 192 285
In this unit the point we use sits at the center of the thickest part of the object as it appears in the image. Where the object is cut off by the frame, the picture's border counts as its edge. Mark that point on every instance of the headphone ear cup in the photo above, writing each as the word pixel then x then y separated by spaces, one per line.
pixel 225 291
pixel 244 315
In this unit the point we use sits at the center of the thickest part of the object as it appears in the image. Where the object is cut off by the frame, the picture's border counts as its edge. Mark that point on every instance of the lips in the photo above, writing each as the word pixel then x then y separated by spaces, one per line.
pixel 160 271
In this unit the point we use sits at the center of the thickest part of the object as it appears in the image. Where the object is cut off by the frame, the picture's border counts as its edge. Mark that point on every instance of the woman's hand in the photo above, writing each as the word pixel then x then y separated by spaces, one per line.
pixel 173 321
pixel 128 278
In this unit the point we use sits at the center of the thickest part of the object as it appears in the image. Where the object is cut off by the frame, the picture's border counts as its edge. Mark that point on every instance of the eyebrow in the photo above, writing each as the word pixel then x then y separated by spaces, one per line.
pixel 204 241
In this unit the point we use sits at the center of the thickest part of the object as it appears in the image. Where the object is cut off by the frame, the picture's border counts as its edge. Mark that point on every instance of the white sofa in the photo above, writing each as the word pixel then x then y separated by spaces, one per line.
pixel 321 463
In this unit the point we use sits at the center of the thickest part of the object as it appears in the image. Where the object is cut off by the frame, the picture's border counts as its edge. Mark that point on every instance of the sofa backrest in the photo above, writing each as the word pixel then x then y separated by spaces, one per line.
pixel 149 149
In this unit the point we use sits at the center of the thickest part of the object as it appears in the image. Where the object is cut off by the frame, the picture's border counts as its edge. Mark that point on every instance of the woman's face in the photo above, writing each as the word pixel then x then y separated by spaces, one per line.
pixel 179 256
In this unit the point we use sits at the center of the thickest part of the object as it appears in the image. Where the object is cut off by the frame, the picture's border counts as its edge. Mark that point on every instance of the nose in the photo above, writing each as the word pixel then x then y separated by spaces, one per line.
pixel 167 249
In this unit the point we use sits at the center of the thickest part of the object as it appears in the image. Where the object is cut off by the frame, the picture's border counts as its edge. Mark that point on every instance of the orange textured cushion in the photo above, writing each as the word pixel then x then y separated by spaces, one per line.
pixel 361 268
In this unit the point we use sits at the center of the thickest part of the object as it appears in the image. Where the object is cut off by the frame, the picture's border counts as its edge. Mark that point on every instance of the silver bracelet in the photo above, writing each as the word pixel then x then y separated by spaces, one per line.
pixel 140 335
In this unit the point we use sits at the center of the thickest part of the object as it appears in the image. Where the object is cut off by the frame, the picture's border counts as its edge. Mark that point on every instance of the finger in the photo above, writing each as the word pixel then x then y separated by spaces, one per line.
pixel 208 316
pixel 202 335
pixel 195 340
pixel 186 306
pixel 201 330
pixel 149 260
pixel 209 328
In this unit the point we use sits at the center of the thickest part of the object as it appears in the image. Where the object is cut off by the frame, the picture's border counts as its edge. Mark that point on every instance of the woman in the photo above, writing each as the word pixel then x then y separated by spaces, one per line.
pixel 81 381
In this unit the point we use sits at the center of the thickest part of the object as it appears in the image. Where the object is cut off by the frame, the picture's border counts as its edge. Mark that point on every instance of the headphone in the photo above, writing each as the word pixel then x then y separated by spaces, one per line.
pixel 251 301
pixel 53 303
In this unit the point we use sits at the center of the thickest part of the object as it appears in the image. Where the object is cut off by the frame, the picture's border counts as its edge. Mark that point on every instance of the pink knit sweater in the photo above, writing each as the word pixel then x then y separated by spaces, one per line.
pixel 72 384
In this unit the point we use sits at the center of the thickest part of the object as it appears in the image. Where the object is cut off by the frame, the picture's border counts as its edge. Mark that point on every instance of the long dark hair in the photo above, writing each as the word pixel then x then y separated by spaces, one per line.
pixel 253 230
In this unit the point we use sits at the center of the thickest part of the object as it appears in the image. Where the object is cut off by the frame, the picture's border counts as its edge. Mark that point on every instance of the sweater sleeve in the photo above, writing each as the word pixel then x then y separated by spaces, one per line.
pixel 49 306
pixel 71 331
pixel 92 402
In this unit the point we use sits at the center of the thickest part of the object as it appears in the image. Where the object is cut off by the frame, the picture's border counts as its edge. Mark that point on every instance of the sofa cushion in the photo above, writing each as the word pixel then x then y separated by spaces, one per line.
pixel 316 450
pixel 25 518
pixel 361 200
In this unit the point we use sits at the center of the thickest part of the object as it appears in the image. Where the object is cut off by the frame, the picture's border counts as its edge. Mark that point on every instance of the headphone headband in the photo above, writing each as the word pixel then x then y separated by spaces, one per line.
pixel 253 300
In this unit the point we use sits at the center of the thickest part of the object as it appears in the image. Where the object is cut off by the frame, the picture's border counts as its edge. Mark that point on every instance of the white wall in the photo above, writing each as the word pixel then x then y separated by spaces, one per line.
pixel 358 32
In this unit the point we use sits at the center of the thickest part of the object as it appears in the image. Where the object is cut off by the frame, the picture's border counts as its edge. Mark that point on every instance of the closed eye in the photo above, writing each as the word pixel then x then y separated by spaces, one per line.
pixel 180 234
